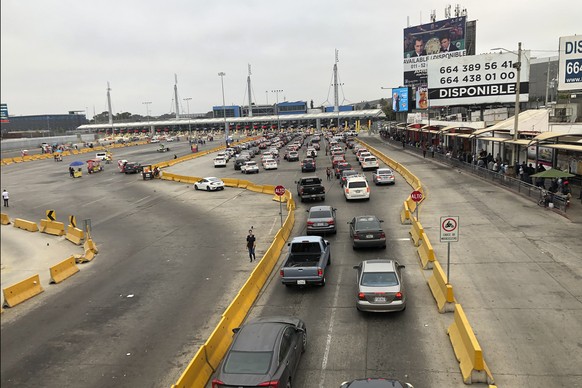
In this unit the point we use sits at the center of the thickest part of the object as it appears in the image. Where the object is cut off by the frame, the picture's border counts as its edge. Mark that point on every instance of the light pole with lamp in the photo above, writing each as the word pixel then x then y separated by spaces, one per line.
pixel 277 91
pixel 221 75
pixel 187 99
pixel 147 104
pixel 517 66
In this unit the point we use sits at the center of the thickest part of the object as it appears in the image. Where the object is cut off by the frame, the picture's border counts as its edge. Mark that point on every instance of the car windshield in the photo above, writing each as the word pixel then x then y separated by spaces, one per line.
pixel 379 279
pixel 320 214
pixel 384 172
pixel 256 363
pixel 367 224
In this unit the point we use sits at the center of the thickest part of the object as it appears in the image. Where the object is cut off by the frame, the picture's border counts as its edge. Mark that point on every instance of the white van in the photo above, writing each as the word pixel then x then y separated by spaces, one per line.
pixel 101 155
pixel 357 188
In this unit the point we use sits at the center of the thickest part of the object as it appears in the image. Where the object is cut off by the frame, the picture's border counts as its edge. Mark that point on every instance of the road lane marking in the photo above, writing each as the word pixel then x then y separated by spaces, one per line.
pixel 330 332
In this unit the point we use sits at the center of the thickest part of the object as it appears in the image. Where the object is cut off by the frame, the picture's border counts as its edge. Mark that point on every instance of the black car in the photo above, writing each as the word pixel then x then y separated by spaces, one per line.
pixel 132 168
pixel 308 165
pixel 265 352
pixel 375 383
pixel 239 162
pixel 366 231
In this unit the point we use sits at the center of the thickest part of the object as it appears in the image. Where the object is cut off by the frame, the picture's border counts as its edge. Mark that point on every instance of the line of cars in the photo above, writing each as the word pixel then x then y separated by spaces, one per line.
pixel 266 351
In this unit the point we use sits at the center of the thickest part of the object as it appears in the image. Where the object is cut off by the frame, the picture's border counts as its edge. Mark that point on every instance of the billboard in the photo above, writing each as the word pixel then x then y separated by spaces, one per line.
pixel 570 63
pixel 427 42
pixel 478 79
pixel 4 113
pixel 400 99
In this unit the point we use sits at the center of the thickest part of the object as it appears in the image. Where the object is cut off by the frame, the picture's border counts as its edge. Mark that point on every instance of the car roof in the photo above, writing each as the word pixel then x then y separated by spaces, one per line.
pixel 320 208
pixel 366 218
pixel 378 265
pixel 258 336
pixel 357 177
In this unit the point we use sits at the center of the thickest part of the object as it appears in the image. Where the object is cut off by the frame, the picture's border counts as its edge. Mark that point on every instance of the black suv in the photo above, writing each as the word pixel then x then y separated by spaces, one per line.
pixel 239 162
pixel 132 168
pixel 308 164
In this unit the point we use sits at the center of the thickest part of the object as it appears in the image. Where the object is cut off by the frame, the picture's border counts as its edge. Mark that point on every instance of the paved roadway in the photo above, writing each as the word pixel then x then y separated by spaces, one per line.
pixel 518 281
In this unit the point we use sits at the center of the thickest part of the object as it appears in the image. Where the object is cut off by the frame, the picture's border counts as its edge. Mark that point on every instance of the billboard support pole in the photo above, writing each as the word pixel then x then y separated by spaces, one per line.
pixel 516 117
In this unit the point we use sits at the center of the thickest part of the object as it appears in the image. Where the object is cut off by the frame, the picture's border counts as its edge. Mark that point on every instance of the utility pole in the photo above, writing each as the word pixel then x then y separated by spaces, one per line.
pixel 517 66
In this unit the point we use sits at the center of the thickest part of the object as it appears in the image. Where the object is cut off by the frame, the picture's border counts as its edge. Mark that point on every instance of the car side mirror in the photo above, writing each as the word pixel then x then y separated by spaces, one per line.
pixel 401 266
pixel 356 267
pixel 306 210
pixel 381 220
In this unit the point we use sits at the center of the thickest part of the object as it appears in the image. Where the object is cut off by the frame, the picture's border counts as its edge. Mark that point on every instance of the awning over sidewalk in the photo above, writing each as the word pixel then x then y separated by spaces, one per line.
pixel 537 121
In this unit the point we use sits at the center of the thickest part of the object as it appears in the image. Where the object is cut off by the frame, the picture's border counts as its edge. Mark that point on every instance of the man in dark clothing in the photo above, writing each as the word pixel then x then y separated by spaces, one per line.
pixel 251 243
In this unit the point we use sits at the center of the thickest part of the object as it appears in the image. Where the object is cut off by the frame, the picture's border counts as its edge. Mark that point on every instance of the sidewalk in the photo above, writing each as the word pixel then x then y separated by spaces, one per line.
pixel 573 212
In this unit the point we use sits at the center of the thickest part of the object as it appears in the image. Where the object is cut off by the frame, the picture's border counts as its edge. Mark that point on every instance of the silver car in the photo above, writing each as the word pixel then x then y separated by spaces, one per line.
pixel 383 176
pixel 321 220
pixel 380 286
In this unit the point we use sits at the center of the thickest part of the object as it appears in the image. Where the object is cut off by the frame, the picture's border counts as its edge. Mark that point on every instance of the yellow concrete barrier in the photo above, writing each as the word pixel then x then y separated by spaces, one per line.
pixel 90 246
pixel 52 227
pixel 197 373
pixel 278 198
pixel 22 291
pixel 441 290
pixel 467 350
pixel 5 220
pixel 411 204
pixel 26 225
pixel 255 188
pixel 74 235
pixel 426 253
pixel 416 231
pixel 405 213
pixel 63 270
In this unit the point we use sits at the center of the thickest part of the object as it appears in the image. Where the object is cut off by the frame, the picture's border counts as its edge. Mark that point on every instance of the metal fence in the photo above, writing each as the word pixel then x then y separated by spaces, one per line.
pixel 518 186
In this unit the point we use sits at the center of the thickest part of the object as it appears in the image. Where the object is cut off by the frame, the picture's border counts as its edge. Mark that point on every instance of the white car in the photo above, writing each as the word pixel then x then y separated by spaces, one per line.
pixel 356 187
pixel 209 184
pixel 223 155
pixel 363 155
pixel 311 152
pixel 155 141
pixel 219 161
pixel 270 164
pixel 383 176
pixel 249 168
pixel 370 163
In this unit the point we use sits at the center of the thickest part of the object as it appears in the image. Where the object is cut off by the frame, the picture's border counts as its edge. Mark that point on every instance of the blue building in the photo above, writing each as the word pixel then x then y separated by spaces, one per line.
pixel 231 111
pixel 342 108
pixel 292 108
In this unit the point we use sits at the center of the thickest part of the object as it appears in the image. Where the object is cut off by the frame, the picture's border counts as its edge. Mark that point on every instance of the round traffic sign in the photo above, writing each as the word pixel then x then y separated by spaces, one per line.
pixel 280 190
pixel 416 196
pixel 449 224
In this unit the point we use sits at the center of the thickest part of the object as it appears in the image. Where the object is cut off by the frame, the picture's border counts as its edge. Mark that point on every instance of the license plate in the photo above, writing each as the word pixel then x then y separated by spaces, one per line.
pixel 369 236
pixel 358 191
pixel 320 224
pixel 302 282
pixel 380 299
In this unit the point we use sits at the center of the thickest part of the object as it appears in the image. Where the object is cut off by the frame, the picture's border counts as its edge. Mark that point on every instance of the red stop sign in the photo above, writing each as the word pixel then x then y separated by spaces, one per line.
pixel 280 190
pixel 416 196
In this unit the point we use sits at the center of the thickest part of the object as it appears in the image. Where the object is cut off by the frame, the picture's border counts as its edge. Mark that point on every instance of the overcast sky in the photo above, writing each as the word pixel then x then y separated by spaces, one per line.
pixel 58 55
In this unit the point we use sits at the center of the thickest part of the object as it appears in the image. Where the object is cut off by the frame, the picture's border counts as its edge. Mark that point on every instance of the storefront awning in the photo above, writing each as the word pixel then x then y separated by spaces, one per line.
pixel 499 139
pixel 568 147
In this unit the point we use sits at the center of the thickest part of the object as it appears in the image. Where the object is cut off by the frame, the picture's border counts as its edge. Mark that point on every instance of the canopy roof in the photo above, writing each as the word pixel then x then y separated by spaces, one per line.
pixel 528 121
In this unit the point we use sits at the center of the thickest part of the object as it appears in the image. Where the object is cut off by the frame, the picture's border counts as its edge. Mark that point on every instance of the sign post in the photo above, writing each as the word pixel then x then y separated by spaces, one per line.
pixel 280 191
pixel 416 196
pixel 449 233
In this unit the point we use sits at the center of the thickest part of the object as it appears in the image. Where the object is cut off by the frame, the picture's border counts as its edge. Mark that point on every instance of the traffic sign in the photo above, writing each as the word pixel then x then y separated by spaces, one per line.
pixel 416 196
pixel 280 190
pixel 449 229
pixel 50 214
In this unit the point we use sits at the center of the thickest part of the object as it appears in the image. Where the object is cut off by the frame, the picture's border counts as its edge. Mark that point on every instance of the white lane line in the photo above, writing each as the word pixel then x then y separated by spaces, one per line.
pixel 89 203
pixel 139 200
pixel 329 332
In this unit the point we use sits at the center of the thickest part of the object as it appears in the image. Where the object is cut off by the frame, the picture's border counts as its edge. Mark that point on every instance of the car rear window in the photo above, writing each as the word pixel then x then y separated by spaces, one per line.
pixel 368 224
pixel 306 247
pixel 357 185
pixel 320 214
pixel 370 159
pixel 379 279
pixel 384 172
pixel 311 181
pixel 256 363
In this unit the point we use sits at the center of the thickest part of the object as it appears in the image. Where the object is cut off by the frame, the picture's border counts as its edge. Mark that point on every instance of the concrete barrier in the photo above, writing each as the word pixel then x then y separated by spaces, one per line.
pixel 90 246
pixel 22 291
pixel 63 270
pixel 411 204
pixel 426 253
pixel 5 220
pixel 467 350
pixel 416 231
pixel 52 227
pixel 197 373
pixel 74 235
pixel 441 290
pixel 405 213
pixel 26 225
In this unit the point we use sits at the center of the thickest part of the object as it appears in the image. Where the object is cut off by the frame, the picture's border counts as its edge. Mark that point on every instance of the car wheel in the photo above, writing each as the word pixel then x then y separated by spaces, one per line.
pixel 354 247
pixel 304 340
pixel 288 385
pixel 322 284
pixel 207 188
pixel 329 260
pixel 384 246
pixel 196 187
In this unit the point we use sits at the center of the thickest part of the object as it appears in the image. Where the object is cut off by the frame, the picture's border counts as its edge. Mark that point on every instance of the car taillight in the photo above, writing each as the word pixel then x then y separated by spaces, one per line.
pixel 217 383
pixel 281 273
pixel 382 235
pixel 361 296
pixel 331 222
pixel 368 189
pixel 356 236
pixel 319 272
pixel 398 296
pixel 270 384
pixel 347 191
pixel 310 223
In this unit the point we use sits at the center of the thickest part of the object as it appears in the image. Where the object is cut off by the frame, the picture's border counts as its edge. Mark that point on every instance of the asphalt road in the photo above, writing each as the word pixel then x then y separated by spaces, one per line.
pixel 516 271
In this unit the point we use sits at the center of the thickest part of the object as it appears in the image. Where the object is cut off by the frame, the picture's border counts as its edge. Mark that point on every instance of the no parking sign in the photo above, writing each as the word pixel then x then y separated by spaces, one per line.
pixel 450 229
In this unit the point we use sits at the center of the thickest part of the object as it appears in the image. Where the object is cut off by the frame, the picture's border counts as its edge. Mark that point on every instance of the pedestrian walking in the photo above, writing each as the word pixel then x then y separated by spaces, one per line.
pixel 328 173
pixel 251 244
pixel 72 172
pixel 5 197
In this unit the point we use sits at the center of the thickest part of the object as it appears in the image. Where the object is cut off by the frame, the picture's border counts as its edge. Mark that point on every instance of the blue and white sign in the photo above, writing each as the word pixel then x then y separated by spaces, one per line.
pixel 570 64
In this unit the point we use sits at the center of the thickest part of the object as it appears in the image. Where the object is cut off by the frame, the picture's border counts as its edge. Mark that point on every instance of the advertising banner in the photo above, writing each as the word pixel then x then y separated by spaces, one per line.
pixel 4 113
pixel 400 97
pixel 478 79
pixel 436 40
pixel 570 63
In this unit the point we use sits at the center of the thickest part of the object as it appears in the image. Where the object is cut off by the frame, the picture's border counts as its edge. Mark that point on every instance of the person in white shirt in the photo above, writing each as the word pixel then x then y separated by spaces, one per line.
pixel 5 197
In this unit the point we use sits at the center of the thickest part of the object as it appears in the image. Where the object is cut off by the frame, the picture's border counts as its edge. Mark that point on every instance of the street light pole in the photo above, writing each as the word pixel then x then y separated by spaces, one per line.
pixel 147 104
pixel 277 91
pixel 222 74
pixel 517 66
pixel 187 99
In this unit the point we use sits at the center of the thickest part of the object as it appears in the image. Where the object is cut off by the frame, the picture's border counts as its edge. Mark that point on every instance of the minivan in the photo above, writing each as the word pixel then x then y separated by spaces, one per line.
pixel 357 188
